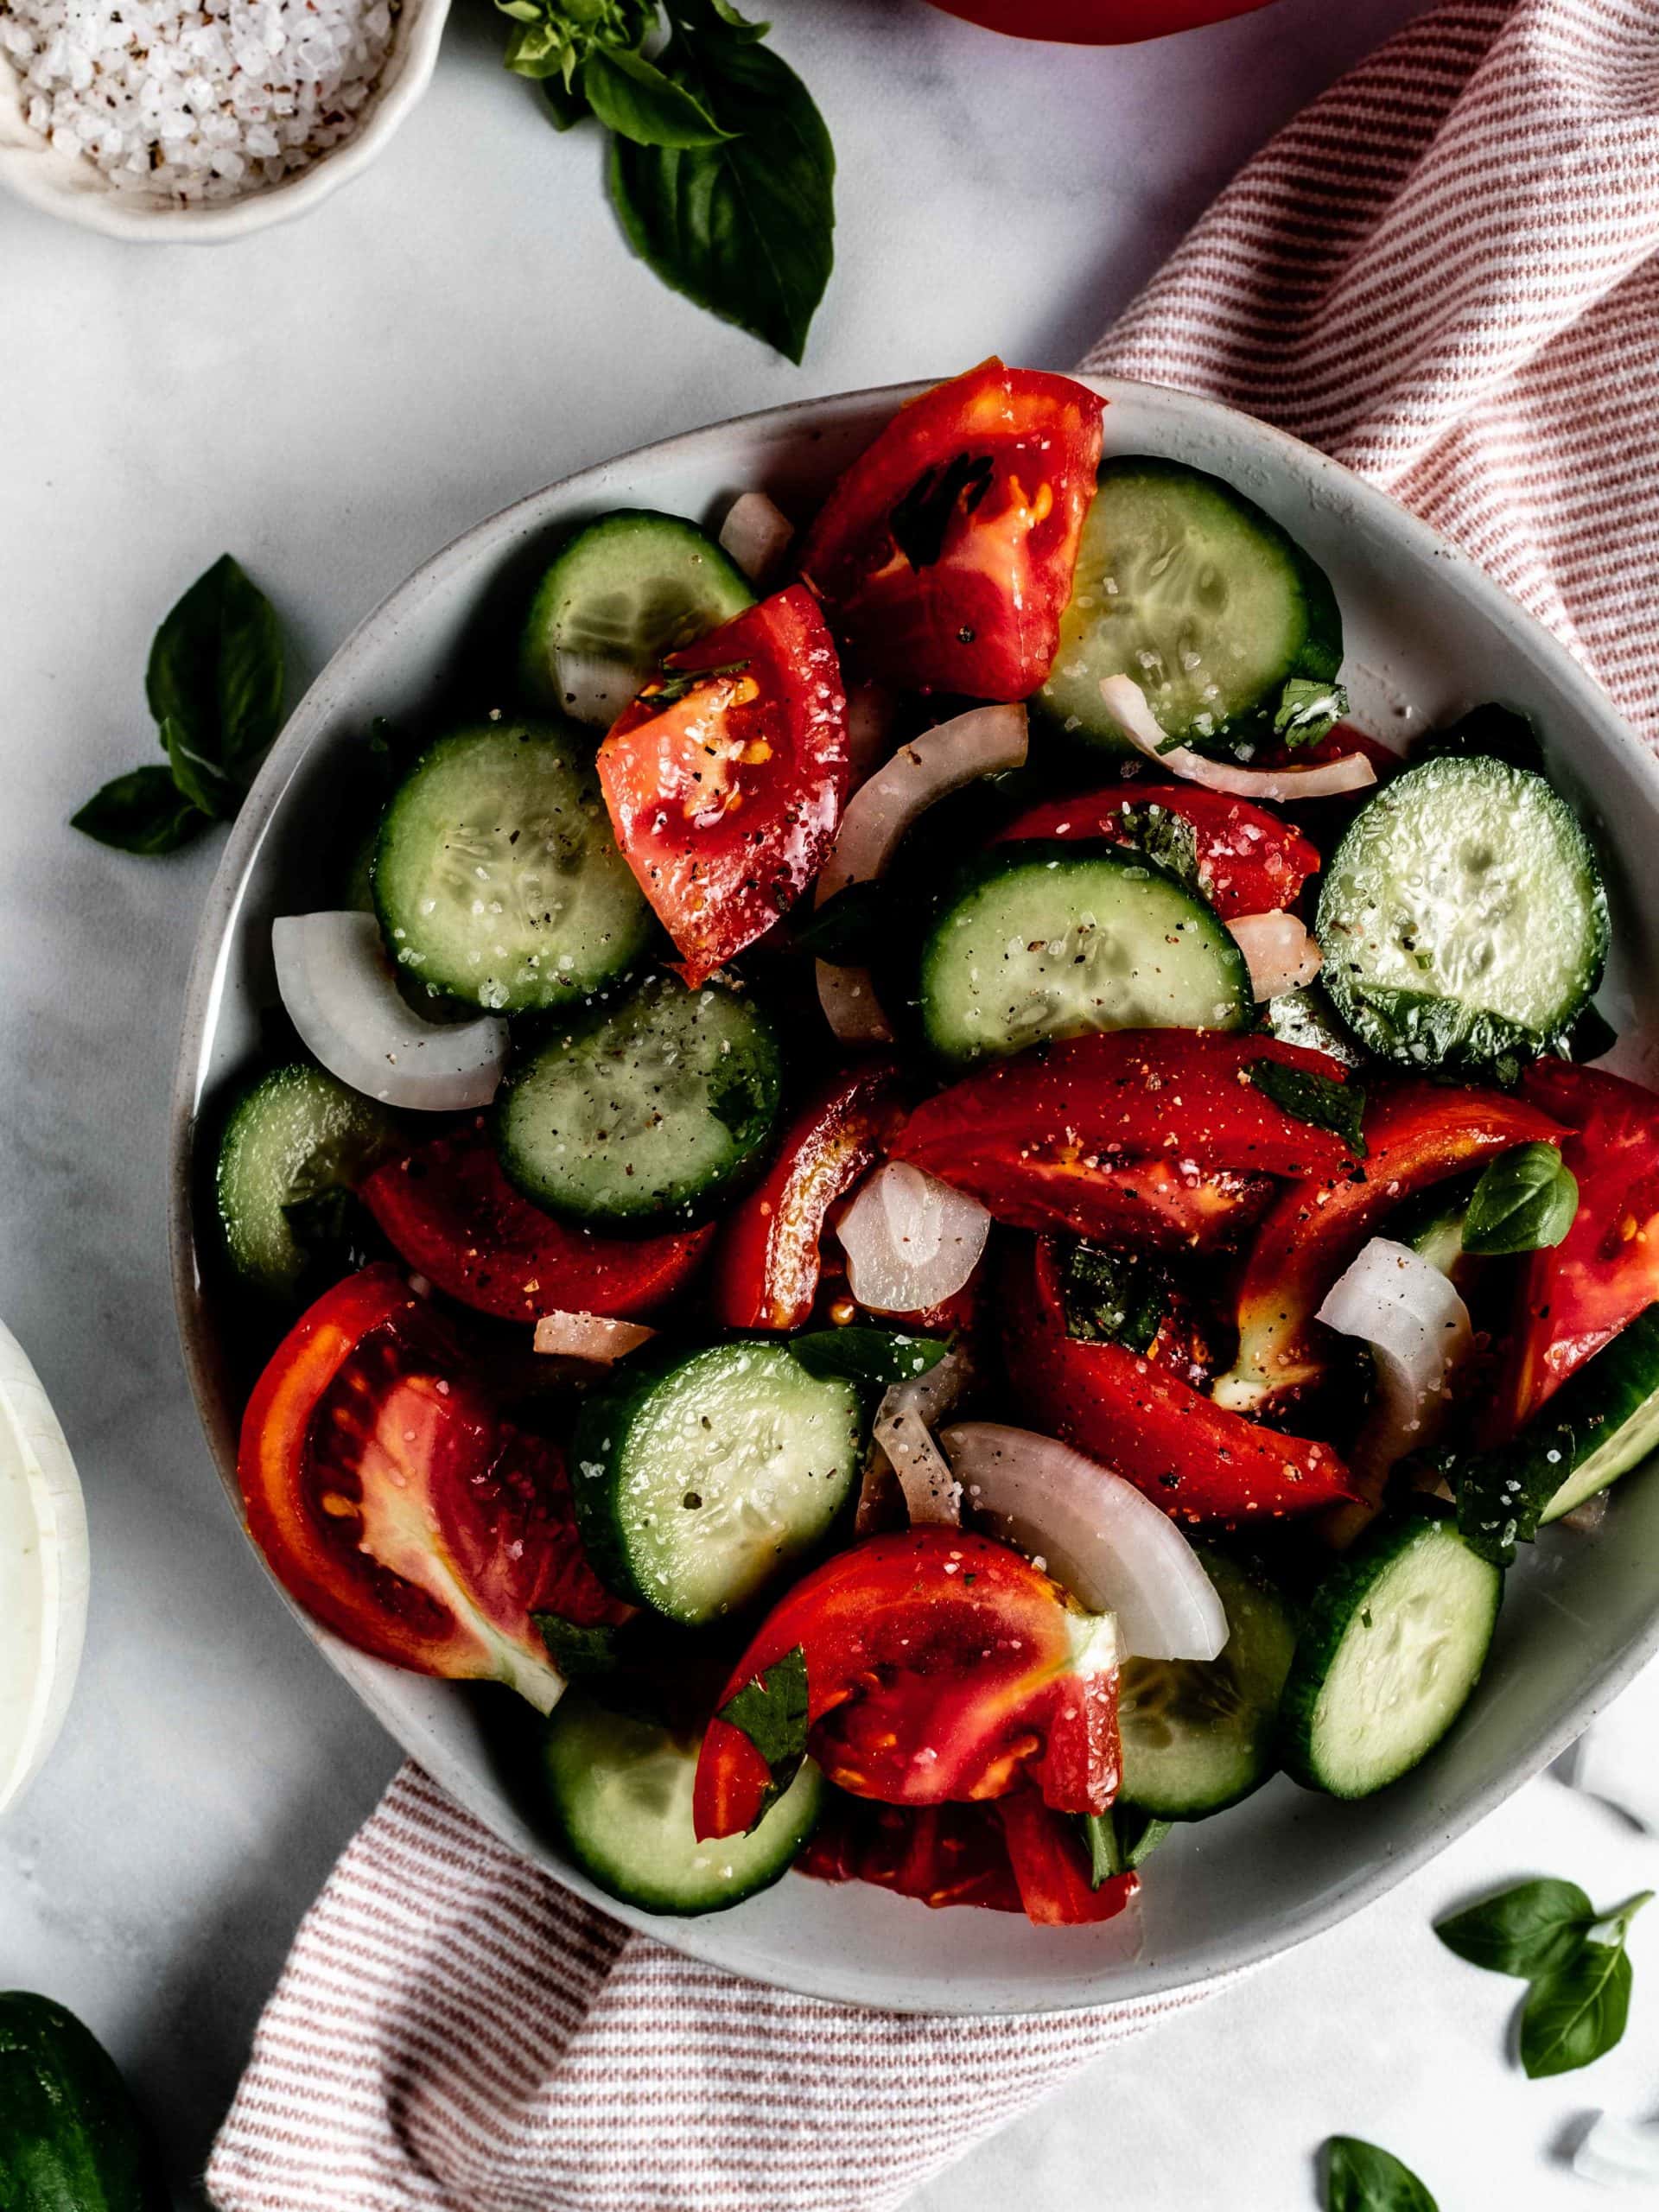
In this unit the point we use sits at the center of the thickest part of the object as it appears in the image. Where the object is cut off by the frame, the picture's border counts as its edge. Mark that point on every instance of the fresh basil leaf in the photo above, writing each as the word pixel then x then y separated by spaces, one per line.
pixel 850 927
pixel 540 51
pixel 772 1712
pixel 881 1356
pixel 1318 1099
pixel 143 811
pixel 1105 1860
pixel 1577 2011
pixel 921 518
pixel 745 228
pixel 1525 1202
pixel 216 670
pixel 632 97
pixel 1362 2177
pixel 205 786
pixel 1139 1835
pixel 1527 1930
pixel 1119 1840
pixel 336 1232
pixel 1112 1297
pixel 1498 731
pixel 579 1654
pixel 1166 839
pixel 1501 1494
pixel 1308 711
pixel 566 105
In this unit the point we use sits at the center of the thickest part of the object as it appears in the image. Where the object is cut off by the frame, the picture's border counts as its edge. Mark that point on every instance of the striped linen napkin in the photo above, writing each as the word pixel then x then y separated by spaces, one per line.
pixel 1443 274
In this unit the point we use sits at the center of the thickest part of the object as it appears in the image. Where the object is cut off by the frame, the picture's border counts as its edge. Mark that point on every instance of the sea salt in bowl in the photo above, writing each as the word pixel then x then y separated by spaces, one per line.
pixel 75 186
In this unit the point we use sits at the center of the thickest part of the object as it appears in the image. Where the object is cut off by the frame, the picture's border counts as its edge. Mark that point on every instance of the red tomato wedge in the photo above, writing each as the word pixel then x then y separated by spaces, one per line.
pixel 1051 1868
pixel 942 1854
pixel 769 1264
pixel 1152 1136
pixel 1249 861
pixel 725 779
pixel 945 553
pixel 450 1212
pixel 392 1502
pixel 1578 1296
pixel 1140 1417
pixel 940 1667
pixel 1417 1134
pixel 1096 22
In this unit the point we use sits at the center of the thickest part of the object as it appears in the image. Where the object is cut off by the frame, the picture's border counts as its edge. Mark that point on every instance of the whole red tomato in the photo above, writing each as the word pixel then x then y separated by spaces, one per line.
pixel 1096 22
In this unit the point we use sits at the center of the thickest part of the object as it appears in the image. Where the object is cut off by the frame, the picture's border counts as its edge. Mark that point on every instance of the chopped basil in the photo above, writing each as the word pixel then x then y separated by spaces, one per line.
pixel 1308 711
pixel 1319 1099
pixel 772 1712
pixel 1169 840
pixel 579 1654
pixel 881 1356
pixel 1525 1201
pixel 1112 1297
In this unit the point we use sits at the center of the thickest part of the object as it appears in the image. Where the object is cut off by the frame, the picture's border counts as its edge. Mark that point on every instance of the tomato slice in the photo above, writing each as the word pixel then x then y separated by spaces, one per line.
pixel 1249 861
pixel 940 1667
pixel 945 553
pixel 941 1855
pixel 1051 1869
pixel 1578 1296
pixel 1138 1416
pixel 725 779
pixel 392 1502
pixel 769 1265
pixel 451 1214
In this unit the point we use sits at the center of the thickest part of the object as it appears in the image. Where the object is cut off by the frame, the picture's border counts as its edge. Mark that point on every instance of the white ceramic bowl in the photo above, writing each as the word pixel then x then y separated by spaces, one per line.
pixel 1582 1613
pixel 71 186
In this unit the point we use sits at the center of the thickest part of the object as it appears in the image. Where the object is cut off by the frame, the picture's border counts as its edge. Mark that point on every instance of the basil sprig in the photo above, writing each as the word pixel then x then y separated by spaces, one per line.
pixel 215 684
pixel 772 1712
pixel 720 171
pixel 1549 1934
pixel 1525 1202
pixel 1361 2176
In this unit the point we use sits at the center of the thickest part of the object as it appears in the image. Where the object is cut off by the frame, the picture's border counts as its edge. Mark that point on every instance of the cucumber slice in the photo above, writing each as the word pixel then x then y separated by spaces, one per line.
pixel 496 877
pixel 653 1110
pixel 1200 1735
pixel 699 1485
pixel 1048 939
pixel 1464 915
pixel 620 1791
pixel 629 589
pixel 1389 1657
pixel 1192 589
pixel 297 1134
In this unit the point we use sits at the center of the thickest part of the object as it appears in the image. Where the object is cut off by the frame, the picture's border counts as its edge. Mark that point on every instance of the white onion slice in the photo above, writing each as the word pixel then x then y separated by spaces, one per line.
pixel 594 1337
pixel 756 534
pixel 850 1005
pixel 44 1571
pixel 1618 2151
pixel 1112 1547
pixel 342 996
pixel 1127 703
pixel 595 690
pixel 872 710
pixel 1418 1329
pixel 941 761
pixel 932 1494
pixel 910 1241
pixel 1278 952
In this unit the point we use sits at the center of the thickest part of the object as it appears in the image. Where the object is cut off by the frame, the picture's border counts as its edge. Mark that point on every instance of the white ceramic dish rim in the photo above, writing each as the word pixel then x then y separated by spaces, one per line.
pixel 73 187
pixel 701 1938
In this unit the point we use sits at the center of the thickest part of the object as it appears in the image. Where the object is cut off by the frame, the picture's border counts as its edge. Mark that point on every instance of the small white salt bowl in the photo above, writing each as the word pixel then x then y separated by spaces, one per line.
pixel 72 186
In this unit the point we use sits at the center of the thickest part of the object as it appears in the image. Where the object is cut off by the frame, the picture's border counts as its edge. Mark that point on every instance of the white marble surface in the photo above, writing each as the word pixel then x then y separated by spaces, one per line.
pixel 332 401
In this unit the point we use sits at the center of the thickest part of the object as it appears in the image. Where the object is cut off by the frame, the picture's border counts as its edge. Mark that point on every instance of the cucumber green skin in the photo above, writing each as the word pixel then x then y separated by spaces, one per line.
pixel 1239 1759
pixel 71 2137
pixel 710 586
pixel 1334 1609
pixel 640 1867
pixel 1318 656
pixel 1070 865
pixel 354 1134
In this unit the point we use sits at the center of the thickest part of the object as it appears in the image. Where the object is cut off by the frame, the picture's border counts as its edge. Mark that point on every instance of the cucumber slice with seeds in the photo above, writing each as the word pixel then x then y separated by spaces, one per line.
pixel 497 879
pixel 1190 588
pixel 1388 1657
pixel 297 1134
pixel 703 1482
pixel 1050 939
pixel 1462 916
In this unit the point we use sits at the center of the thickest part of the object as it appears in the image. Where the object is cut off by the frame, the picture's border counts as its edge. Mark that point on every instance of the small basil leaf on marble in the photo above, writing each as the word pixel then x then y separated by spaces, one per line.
pixel 1361 2176
pixel 1524 1931
pixel 633 97
pixel 1576 2013
pixel 198 778
pixel 1525 1201
pixel 772 1712
pixel 216 670
pixel 1318 1099
pixel 879 1356
pixel 143 812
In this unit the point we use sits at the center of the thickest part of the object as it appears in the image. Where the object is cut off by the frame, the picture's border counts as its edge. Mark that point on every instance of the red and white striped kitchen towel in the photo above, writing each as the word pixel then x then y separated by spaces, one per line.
pixel 1443 273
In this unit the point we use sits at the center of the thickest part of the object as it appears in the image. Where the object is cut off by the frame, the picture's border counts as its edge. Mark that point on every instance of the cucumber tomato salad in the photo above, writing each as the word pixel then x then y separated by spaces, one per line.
pixel 925 1200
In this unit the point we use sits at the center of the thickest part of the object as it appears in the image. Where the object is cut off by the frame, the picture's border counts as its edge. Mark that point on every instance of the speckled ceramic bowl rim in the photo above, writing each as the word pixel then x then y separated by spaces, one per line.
pixel 309 722
pixel 69 186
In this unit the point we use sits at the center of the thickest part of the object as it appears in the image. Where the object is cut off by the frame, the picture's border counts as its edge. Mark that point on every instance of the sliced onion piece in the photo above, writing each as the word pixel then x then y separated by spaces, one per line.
pixel 342 994
pixel 1418 1329
pixel 595 690
pixel 910 1241
pixel 1127 703
pixel 921 1399
pixel 932 1494
pixel 590 1335
pixel 756 534
pixel 941 761
pixel 1110 1547
pixel 1618 2151
pixel 850 1005
pixel 1278 952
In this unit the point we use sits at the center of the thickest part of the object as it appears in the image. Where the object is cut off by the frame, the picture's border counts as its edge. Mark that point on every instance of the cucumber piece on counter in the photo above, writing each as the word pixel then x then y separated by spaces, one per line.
pixel 71 2137
pixel 1462 916
pixel 649 1113
pixel 1389 1654
pixel 1190 588
pixel 496 877
pixel 1198 1735
pixel 1045 938
pixel 627 589
pixel 296 1136
pixel 697 1484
